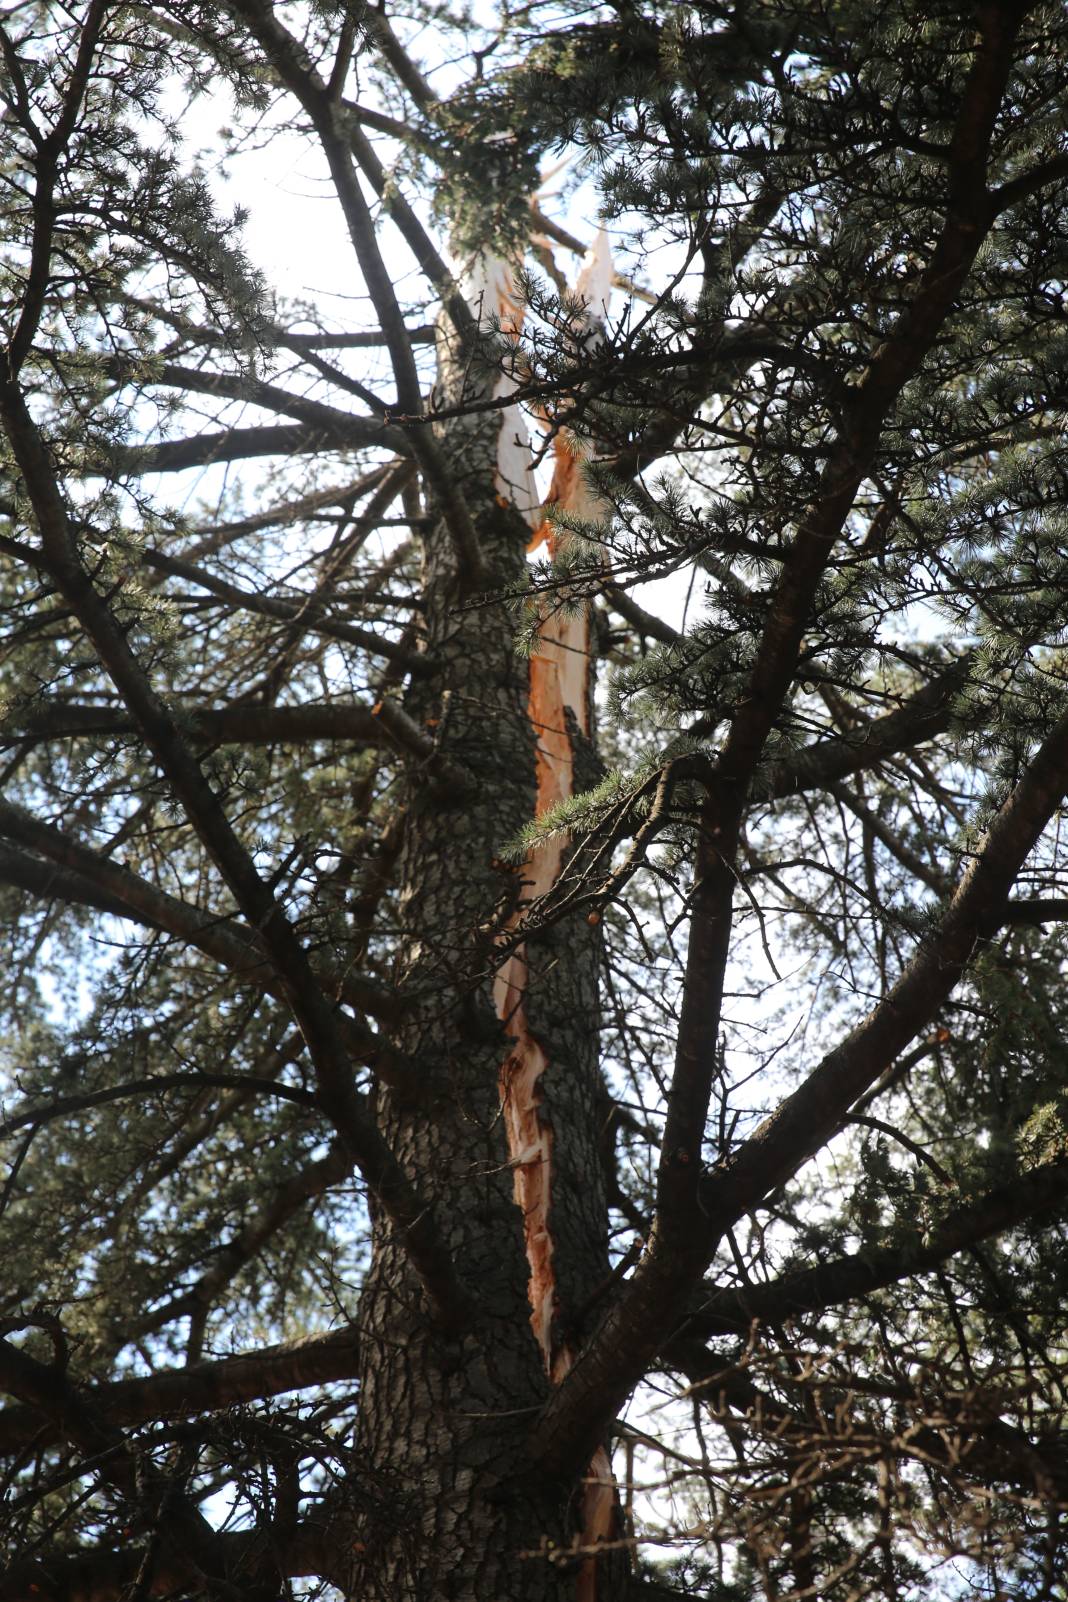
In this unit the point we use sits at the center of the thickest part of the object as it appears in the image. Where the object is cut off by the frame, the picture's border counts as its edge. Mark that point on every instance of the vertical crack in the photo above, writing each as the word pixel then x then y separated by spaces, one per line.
pixel 559 700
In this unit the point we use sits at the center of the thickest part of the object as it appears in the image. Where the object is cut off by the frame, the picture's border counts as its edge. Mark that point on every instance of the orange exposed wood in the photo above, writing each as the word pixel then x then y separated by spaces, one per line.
pixel 598 1519
pixel 559 699
pixel 526 1120
pixel 559 687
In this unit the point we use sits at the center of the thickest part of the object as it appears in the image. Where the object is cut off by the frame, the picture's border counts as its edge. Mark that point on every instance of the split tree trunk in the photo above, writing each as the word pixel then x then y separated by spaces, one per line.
pixel 506 1141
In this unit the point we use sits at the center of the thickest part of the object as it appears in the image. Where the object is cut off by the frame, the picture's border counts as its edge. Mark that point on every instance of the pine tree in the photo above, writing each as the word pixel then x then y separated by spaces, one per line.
pixel 506 1095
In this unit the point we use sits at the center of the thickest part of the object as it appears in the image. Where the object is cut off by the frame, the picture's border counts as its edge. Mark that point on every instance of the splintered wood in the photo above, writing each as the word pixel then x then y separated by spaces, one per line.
pixel 559 701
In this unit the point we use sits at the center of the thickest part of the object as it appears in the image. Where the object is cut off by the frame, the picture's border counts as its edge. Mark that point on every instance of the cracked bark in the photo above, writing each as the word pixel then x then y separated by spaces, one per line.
pixel 446 1421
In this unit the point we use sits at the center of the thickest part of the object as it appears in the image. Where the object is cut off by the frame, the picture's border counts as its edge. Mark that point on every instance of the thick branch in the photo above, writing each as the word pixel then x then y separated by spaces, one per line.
pixel 805 1120
pixel 243 444
pixel 692 1212
pixel 1043 176
pixel 202 1387
pixel 243 724
pixel 922 717
pixel 1033 912
pixel 850 460
pixel 254 1557
pixel 846 1279
pixel 54 883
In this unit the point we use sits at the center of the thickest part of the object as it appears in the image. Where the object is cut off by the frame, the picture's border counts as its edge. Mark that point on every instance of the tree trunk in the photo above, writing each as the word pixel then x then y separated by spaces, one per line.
pixel 507 1136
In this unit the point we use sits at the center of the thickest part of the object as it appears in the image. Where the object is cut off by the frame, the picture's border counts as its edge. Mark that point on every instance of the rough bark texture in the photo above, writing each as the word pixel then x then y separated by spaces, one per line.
pixel 445 1416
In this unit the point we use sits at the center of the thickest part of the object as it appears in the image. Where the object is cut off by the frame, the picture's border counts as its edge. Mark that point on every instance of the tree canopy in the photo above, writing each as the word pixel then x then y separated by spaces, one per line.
pixel 531 803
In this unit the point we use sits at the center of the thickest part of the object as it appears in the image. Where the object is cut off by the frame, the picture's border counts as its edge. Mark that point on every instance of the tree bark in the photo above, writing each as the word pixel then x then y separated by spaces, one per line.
pixel 445 1415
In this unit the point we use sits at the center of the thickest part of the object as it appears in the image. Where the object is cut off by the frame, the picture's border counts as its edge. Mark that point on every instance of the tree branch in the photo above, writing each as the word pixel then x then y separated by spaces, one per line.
pixel 846 1279
pixel 243 444
pixel 849 461
pixel 96 881
pixel 1033 912
pixel 299 75
pixel 45 1112
pixel 922 717
pixel 1029 183
pixel 254 1558
pixel 202 1387
pixel 229 1258
pixel 632 1332
pixel 231 386
pixel 315 1016
pixel 244 724
pixel 986 1452
pixel 185 1537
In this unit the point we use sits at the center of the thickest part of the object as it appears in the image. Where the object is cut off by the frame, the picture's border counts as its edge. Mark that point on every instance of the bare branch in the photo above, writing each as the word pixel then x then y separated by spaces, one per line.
pixel 185 1536
pixel 86 878
pixel 300 77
